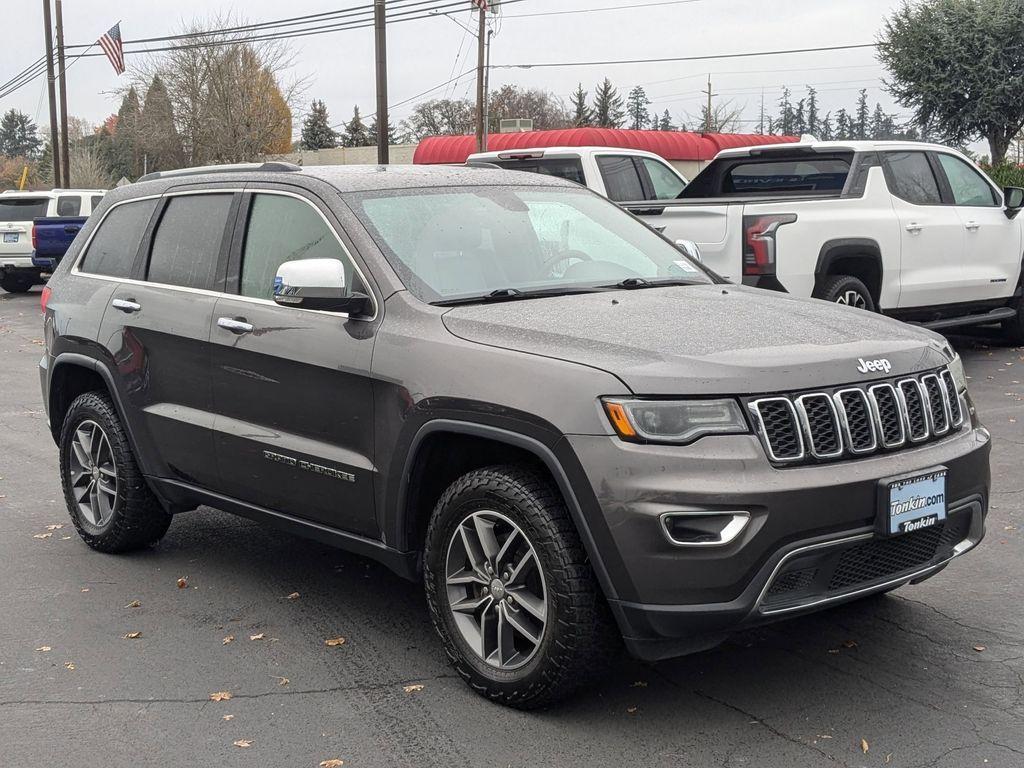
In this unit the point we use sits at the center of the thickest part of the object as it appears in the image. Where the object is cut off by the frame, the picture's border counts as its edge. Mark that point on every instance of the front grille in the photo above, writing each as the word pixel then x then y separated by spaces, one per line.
pixel 857 421
pixel 832 572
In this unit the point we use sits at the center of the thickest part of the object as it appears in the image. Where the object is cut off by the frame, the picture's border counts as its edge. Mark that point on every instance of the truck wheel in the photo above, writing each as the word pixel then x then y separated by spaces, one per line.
pixel 1013 329
pixel 510 589
pixel 15 284
pixel 110 504
pixel 847 290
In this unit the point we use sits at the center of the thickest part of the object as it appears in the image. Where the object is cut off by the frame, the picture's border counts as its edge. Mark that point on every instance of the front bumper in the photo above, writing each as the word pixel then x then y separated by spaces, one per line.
pixel 810 541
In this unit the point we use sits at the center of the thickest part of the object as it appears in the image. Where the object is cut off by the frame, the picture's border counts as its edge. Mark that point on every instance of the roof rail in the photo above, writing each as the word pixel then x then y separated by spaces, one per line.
pixel 274 165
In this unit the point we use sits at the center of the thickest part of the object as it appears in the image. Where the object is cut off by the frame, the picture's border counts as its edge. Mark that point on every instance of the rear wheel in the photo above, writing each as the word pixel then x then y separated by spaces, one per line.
pixel 110 504
pixel 16 283
pixel 846 290
pixel 511 591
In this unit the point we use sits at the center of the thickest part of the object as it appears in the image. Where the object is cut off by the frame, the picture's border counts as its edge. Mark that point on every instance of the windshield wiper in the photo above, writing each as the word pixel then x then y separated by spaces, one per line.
pixel 512 294
pixel 652 282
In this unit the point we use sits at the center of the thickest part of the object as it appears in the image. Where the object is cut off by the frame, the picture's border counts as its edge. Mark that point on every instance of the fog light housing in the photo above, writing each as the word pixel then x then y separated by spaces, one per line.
pixel 704 528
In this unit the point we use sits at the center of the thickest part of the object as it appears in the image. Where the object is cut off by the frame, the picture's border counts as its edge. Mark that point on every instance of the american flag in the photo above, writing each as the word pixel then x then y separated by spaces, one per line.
pixel 110 42
pixel 481 4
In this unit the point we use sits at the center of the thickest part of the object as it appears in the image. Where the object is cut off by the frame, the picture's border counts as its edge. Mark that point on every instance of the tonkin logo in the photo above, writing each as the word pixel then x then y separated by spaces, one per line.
pixel 874 366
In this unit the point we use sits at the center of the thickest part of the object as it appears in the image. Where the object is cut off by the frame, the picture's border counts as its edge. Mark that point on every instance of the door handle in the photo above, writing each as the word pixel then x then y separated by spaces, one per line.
pixel 126 305
pixel 972 225
pixel 913 228
pixel 71 230
pixel 235 325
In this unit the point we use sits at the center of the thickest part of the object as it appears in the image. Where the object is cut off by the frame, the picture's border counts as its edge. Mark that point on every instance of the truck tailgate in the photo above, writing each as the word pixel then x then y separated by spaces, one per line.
pixel 715 227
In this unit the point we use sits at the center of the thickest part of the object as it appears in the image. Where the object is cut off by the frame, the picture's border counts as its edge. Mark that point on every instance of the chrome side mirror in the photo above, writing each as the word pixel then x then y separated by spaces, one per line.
pixel 690 248
pixel 1014 197
pixel 318 284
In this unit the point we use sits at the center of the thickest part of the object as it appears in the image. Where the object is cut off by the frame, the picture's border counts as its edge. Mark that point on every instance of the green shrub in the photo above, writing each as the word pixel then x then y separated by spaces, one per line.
pixel 1005 174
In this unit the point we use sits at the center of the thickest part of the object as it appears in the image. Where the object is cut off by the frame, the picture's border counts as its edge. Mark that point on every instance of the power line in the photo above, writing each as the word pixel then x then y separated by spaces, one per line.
pixel 667 59
pixel 755 72
pixel 598 10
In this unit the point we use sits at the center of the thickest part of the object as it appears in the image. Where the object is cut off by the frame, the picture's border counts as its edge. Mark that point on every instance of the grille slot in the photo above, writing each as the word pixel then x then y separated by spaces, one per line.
pixel 956 411
pixel 858 422
pixel 821 425
pixel 914 410
pixel 938 409
pixel 886 407
pixel 779 428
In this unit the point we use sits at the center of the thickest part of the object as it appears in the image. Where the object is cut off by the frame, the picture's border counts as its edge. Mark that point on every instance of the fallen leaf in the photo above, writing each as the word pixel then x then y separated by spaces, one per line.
pixel 412 688
pixel 849 644
pixel 133 636
pixel 220 696
pixel 41 535
pixel 631 710
pixel 293 596
pixel 182 582
pixel 281 680
pixel 228 717
pixel 833 650
pixel 256 637
pixel 133 604
pixel 69 665
pixel 979 648
pixel 334 642
pixel 639 684
pixel 44 648
pixel 332 763
pixel 864 746
pixel 85 589
pixel 228 639
pixel 55 527
pixel 65 538
pixel 243 743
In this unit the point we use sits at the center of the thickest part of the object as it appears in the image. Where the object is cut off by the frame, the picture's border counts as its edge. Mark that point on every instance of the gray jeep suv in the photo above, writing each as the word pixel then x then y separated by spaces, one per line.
pixel 503 385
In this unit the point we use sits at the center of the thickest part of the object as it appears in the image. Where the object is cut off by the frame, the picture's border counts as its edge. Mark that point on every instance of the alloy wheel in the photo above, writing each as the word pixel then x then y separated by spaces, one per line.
pixel 852 299
pixel 93 473
pixel 496 589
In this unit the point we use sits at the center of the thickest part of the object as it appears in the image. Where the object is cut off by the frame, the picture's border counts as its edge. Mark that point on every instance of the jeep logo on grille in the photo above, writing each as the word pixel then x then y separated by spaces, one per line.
pixel 881 365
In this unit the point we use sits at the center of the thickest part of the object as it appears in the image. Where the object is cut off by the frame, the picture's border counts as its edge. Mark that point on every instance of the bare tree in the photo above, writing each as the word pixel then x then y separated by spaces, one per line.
pixel 725 117
pixel 229 98
pixel 87 167
pixel 545 109
pixel 439 117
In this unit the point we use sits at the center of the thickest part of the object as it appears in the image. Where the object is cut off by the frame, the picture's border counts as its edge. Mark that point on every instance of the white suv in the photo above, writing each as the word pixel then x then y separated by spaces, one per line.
pixel 17 212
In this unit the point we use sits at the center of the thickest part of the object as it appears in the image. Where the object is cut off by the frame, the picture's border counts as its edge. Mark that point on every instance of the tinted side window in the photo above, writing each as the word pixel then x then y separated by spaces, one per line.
pixel 116 243
pixel 910 177
pixel 667 185
pixel 95 201
pixel 621 179
pixel 284 229
pixel 69 205
pixel 969 188
pixel 798 175
pixel 562 167
pixel 187 242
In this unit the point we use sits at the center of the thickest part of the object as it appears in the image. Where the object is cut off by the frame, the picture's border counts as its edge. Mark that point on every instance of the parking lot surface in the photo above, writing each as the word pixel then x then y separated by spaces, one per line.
pixel 931 675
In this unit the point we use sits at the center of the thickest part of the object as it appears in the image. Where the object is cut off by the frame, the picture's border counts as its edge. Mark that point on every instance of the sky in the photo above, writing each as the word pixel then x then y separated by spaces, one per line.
pixel 339 67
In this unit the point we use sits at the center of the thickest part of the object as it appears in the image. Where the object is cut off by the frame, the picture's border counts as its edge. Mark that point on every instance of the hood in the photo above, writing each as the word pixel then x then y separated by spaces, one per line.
pixel 707 339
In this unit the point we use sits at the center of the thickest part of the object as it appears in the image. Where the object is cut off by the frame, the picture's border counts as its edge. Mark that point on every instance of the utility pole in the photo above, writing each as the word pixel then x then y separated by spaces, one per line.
pixel 487 88
pixel 65 160
pixel 54 138
pixel 380 46
pixel 707 115
pixel 481 131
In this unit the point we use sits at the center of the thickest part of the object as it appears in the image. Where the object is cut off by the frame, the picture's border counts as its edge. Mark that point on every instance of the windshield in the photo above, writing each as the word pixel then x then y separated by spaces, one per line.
pixel 464 242
pixel 23 208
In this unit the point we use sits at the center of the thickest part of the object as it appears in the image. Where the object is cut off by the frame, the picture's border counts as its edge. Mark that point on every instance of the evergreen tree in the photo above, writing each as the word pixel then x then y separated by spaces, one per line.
pixel 825 128
pixel 844 128
pixel 863 115
pixel 158 136
pixel 608 112
pixel 636 108
pixel 665 124
pixel 812 111
pixel 582 114
pixel 372 133
pixel 124 152
pixel 799 121
pixel 652 121
pixel 877 126
pixel 784 123
pixel 316 128
pixel 19 136
pixel 356 134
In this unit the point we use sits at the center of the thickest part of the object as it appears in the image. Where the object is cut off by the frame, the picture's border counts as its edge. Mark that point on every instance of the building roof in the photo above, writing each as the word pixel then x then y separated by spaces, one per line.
pixel 671 145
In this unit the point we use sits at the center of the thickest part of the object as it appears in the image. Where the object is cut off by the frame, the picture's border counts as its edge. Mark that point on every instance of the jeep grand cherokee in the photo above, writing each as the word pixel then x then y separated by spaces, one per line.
pixel 507 387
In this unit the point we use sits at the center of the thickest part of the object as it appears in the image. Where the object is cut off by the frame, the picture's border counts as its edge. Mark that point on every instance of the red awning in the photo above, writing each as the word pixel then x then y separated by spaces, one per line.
pixel 671 145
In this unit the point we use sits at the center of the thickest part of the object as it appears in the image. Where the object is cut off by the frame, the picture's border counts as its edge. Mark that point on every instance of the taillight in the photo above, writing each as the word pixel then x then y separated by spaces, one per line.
pixel 44 298
pixel 34 241
pixel 759 242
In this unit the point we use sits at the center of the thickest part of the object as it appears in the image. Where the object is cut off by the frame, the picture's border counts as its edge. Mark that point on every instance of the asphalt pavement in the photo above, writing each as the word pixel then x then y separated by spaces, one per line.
pixel 931 675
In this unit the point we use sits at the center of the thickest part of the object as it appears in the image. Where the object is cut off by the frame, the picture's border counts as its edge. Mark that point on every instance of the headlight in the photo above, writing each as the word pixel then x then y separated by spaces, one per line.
pixel 956 367
pixel 674 421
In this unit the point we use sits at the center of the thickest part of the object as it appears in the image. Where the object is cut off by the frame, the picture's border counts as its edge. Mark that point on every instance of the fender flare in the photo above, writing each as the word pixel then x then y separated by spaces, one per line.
pixel 833 250
pixel 531 445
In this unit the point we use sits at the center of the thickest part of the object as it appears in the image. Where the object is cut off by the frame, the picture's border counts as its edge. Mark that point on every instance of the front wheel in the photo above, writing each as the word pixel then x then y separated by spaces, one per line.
pixel 846 290
pixel 510 590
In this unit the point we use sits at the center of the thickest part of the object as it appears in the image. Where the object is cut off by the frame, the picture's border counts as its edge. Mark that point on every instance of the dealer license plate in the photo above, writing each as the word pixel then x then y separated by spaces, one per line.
pixel 913 502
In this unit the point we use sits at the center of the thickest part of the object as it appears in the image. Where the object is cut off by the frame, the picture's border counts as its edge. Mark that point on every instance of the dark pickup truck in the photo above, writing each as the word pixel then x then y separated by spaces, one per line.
pixel 51 238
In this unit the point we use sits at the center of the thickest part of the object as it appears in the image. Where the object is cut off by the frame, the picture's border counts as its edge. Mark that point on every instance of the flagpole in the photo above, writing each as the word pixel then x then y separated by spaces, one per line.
pixel 481 44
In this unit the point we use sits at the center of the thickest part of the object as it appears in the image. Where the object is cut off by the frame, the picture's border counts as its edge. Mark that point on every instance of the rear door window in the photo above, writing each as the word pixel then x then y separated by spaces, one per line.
pixel 69 205
pixel 910 178
pixel 570 168
pixel 187 242
pixel 115 245
pixel 664 181
pixel 23 208
pixel 622 181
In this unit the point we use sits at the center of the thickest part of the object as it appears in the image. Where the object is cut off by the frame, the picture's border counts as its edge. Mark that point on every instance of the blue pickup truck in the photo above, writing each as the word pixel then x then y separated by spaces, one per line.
pixel 51 238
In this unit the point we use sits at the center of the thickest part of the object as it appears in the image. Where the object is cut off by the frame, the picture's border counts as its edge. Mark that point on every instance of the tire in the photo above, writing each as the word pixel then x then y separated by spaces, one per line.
pixel 120 513
pixel 1013 329
pixel 16 284
pixel 846 290
pixel 577 636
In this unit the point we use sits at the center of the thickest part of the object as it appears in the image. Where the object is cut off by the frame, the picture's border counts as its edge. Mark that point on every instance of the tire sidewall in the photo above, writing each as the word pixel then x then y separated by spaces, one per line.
pixel 845 285
pixel 80 411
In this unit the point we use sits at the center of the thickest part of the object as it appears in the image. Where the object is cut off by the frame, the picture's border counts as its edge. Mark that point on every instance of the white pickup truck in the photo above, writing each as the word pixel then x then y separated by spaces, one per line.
pixel 17 212
pixel 621 175
pixel 916 231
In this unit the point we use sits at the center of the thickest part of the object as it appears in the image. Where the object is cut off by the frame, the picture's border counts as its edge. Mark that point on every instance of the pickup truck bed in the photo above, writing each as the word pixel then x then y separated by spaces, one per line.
pixel 53 236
